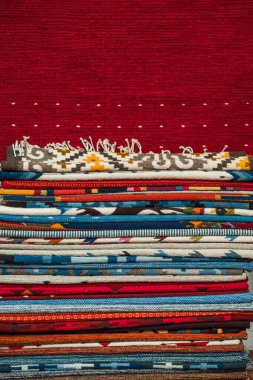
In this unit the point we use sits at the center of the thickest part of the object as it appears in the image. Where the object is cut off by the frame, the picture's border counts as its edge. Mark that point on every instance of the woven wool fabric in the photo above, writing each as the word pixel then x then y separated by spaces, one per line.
pixel 66 245
pixel 153 196
pixel 78 296
pixel 7 308
pixel 60 160
pixel 147 204
pixel 99 228
pixel 122 219
pixel 87 187
pixel 73 306
pixel 25 374
pixel 108 190
pixel 46 279
pixel 144 358
pixel 124 253
pixel 18 339
pixel 219 299
pixel 169 238
pixel 159 253
pixel 103 345
pixel 93 211
pixel 122 326
pixel 141 184
pixel 229 175
pixel 110 272
pixel 33 317
pixel 159 267
pixel 175 367
pixel 95 258
pixel 40 350
pixel 117 289
pixel 166 73
pixel 120 256
pixel 197 376
pixel 129 344
pixel 131 375
pixel 134 265
pixel 116 190
pixel 156 256
pixel 14 231
pixel 146 80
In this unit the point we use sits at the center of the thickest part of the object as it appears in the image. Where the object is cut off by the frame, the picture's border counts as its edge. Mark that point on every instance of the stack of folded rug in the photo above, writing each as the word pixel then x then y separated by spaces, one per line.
pixel 125 265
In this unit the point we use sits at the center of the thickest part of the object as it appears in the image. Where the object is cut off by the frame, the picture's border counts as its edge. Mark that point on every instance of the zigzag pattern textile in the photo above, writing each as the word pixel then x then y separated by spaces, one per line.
pixel 125 266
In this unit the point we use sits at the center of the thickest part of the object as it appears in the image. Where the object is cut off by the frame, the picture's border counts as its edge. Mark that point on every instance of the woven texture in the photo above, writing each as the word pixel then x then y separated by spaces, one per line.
pixel 126 69
pixel 126 210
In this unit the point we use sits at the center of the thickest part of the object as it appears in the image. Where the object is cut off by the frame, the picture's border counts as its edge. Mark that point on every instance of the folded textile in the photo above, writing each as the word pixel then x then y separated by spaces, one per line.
pixel 121 253
pixel 108 272
pixel 140 196
pixel 101 338
pixel 135 307
pixel 175 367
pixel 221 299
pixel 190 344
pixel 228 242
pixel 119 190
pixel 111 254
pixel 145 357
pixel 128 375
pixel 56 258
pixel 34 245
pixel 33 317
pixel 112 265
pixel 105 211
pixel 124 211
pixel 47 205
pixel 147 376
pixel 177 362
pixel 127 325
pixel 127 225
pixel 151 232
pixel 162 265
pixel 63 296
pixel 62 160
pixel 240 301
pixel 138 347
pixel 228 175
pixel 50 279
pixel 38 219
pixel 82 219
pixel 131 255
pixel 111 289
pixel 175 184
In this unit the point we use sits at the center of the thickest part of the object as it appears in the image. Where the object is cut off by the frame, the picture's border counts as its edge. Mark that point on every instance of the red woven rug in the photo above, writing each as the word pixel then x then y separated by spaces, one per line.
pixel 170 73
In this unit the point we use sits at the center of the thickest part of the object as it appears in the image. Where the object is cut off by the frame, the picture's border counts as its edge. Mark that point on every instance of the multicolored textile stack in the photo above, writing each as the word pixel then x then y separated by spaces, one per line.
pixel 125 265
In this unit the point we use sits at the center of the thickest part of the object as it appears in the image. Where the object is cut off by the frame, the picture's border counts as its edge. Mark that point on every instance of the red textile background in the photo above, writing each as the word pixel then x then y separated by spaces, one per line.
pixel 167 72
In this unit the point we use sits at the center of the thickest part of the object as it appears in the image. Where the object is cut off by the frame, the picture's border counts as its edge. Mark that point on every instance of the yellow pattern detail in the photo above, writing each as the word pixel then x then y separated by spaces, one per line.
pixel 225 155
pixel 97 163
pixel 57 226
pixel 243 164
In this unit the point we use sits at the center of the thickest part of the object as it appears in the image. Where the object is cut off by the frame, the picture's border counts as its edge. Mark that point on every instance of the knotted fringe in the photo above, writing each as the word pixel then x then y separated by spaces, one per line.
pixel 20 148
pixel 23 147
